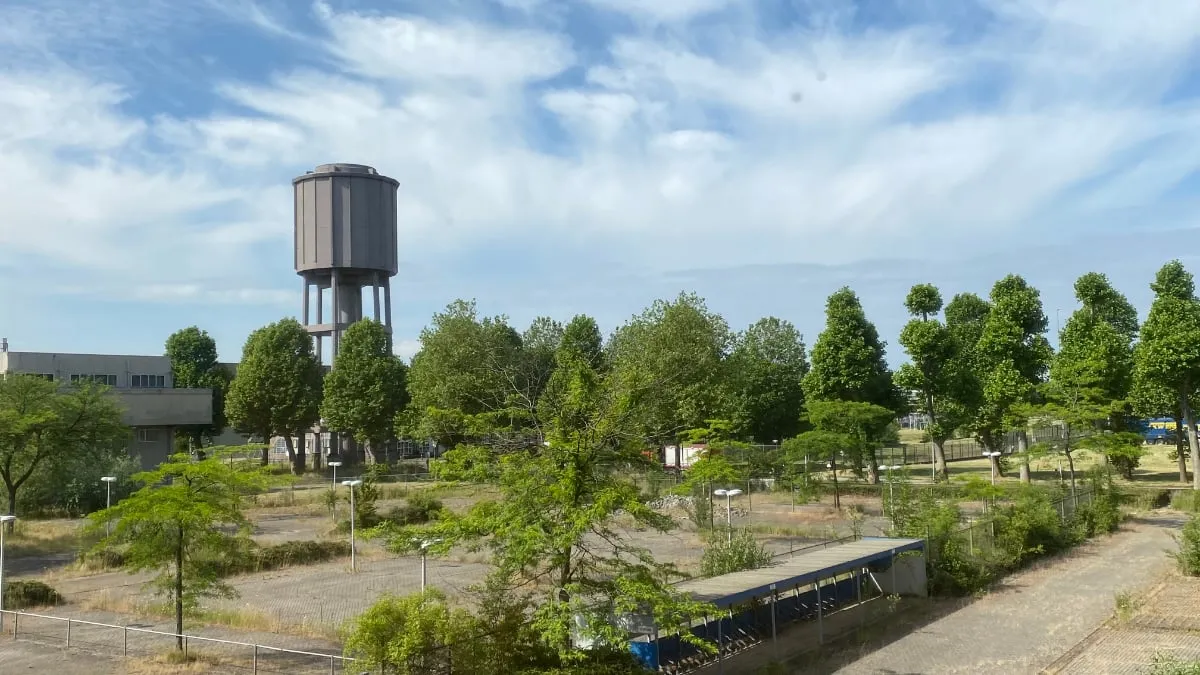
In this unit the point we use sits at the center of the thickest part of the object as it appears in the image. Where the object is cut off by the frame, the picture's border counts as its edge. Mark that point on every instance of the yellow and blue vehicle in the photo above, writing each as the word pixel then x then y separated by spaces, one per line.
pixel 1159 430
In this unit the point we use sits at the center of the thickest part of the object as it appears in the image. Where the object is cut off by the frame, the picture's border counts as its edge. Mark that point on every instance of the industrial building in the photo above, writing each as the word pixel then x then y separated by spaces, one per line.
pixel 153 407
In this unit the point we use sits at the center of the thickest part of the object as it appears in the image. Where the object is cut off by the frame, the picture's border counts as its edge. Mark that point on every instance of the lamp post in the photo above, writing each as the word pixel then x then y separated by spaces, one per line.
pixel 108 481
pixel 335 465
pixel 4 521
pixel 992 461
pixel 727 494
pixel 425 544
pixel 352 484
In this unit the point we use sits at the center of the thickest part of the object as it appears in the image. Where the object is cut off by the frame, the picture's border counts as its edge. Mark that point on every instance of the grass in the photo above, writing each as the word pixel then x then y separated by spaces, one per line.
pixel 241 618
pixel 45 537
pixel 1126 606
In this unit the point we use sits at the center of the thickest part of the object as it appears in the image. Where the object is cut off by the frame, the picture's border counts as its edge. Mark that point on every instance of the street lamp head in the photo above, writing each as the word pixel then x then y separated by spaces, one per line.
pixel 334 464
pixel 720 492
pixel 894 467
pixel 991 454
pixel 734 492
pixel 352 483
pixel 108 479
pixel 7 518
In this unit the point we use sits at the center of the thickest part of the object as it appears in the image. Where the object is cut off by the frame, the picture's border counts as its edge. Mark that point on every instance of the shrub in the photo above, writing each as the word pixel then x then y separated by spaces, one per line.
pixel 293 553
pixel 101 559
pixel 725 554
pixel 25 594
pixel 1031 527
pixel 419 508
pixel 1188 556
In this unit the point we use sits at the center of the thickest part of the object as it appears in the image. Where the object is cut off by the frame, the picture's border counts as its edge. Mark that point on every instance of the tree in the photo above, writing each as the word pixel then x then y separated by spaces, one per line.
pixel 417 633
pixel 848 363
pixel 538 345
pixel 1169 353
pixel 680 347
pixel 42 425
pixel 822 446
pixel 1013 341
pixel 1075 399
pixel 277 390
pixel 580 340
pixel 932 371
pixel 194 365
pixel 366 387
pixel 1151 398
pixel 767 367
pixel 554 516
pixel 185 518
pixel 463 383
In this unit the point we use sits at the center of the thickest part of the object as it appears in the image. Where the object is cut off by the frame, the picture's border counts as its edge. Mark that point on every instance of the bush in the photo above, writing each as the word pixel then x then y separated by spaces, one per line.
pixel 25 594
pixel 419 508
pixel 1188 556
pixel 101 559
pixel 1030 528
pixel 293 553
pixel 725 554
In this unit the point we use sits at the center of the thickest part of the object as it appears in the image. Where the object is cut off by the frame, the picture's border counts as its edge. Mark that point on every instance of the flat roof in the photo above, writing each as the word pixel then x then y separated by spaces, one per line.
pixel 806 568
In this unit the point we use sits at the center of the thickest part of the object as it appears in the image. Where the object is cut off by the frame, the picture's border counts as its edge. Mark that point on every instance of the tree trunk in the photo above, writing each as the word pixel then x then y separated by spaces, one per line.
pixel 295 454
pixel 939 459
pixel 1023 449
pixel 1186 409
pixel 872 467
pixel 1180 455
pixel 266 451
pixel 12 508
pixel 179 591
pixel 837 498
pixel 1071 468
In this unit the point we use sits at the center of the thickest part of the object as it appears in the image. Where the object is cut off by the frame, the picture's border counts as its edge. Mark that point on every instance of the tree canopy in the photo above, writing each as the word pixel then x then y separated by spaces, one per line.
pixel 848 359
pixel 767 369
pixel 277 389
pixel 193 354
pixel 367 386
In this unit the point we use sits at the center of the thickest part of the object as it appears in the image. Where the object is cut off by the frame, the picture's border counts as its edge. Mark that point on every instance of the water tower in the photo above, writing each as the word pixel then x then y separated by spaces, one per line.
pixel 345 243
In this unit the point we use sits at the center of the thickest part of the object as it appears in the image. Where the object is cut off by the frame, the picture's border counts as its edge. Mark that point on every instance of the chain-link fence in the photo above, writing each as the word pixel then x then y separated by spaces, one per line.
pixel 219 655
pixel 978 536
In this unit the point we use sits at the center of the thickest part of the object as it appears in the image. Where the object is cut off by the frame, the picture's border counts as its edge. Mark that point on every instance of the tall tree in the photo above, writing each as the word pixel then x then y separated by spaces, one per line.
pixel 539 342
pixel 580 342
pixel 194 365
pixel 462 380
pixel 556 503
pixel 767 367
pixel 932 371
pixel 1169 352
pixel 277 390
pixel 366 387
pixel 1098 337
pixel 186 515
pixel 848 363
pixel 1013 358
pixel 1151 398
pixel 42 426
pixel 681 346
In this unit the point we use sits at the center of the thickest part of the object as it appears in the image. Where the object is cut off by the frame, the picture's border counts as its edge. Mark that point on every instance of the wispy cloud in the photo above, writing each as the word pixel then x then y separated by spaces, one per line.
pixel 647 135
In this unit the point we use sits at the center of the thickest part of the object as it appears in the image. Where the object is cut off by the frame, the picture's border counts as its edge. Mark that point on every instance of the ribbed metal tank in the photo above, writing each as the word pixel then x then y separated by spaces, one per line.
pixel 346 219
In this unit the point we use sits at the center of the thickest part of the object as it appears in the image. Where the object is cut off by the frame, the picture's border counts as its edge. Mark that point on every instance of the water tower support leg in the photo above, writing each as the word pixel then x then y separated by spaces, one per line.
pixel 375 293
pixel 337 315
pixel 387 308
pixel 304 315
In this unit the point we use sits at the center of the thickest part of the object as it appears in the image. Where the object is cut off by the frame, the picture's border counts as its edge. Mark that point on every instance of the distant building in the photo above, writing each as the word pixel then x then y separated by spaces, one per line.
pixel 153 407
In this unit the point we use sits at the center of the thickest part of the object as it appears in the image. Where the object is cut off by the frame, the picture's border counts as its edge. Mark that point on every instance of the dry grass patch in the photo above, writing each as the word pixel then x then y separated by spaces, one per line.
pixel 45 537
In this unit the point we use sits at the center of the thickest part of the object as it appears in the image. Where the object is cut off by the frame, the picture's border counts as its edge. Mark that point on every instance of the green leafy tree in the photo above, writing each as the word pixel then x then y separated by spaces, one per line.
pixel 848 363
pixel 1012 342
pixel 417 633
pixel 194 365
pixel 43 426
pixel 367 386
pixel 277 390
pixel 552 502
pixel 580 340
pixel 822 446
pixel 679 347
pixel 767 368
pixel 1150 398
pixel 932 371
pixel 1075 399
pixel 1169 352
pixel 463 383
pixel 539 343
pixel 185 520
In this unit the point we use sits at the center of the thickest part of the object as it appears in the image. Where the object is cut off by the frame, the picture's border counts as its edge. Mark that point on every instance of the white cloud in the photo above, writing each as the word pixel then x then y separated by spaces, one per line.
pixel 658 148
pixel 406 349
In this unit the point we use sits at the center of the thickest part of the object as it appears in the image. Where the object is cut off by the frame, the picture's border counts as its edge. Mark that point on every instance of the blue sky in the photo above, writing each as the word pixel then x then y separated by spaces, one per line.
pixel 566 156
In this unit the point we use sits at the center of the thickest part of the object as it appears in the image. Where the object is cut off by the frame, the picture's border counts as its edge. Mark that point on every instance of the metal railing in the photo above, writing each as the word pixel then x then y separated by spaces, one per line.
pixel 127 641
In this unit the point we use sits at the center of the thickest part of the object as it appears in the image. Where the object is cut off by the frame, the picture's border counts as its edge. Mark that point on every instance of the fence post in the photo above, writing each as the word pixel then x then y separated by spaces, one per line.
pixel 68 633
pixel 331 664
pixel 185 650
pixel 16 615
pixel 125 636
pixel 254 663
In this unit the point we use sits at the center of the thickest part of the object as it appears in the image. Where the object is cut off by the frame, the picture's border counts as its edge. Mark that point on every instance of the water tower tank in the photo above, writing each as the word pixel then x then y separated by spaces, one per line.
pixel 345 242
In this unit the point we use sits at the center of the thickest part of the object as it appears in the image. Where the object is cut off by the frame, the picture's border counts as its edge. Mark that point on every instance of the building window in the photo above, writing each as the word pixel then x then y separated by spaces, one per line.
pixel 46 376
pixel 147 435
pixel 148 381
pixel 110 380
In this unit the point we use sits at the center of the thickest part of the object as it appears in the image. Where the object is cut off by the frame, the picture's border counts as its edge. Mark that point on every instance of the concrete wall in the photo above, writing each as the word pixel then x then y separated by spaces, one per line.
pixel 166 407
pixel 152 445
pixel 63 366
